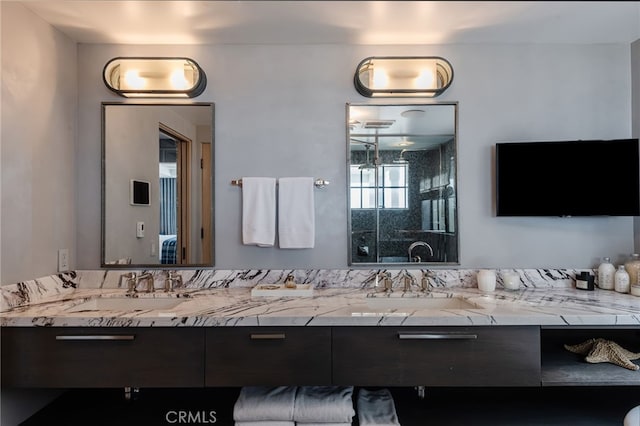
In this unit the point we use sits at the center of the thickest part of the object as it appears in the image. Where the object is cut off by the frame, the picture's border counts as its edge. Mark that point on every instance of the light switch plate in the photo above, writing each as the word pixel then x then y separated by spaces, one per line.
pixel 63 260
pixel 140 230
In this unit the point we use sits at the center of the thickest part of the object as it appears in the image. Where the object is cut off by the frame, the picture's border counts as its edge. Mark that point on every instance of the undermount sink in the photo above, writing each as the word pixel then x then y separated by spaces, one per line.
pixel 126 304
pixel 386 302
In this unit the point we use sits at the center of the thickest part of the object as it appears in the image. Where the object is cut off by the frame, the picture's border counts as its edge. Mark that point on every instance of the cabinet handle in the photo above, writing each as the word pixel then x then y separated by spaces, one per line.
pixel 97 337
pixel 436 336
pixel 268 336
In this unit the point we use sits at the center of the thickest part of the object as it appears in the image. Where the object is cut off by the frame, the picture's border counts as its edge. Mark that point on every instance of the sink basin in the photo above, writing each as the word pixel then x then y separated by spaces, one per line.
pixel 126 304
pixel 426 302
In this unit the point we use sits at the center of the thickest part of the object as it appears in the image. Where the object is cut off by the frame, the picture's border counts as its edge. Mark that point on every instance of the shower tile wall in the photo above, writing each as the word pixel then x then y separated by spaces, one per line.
pixel 400 227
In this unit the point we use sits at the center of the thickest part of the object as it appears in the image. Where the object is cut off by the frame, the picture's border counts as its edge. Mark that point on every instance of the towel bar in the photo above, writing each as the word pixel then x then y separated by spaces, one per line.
pixel 319 183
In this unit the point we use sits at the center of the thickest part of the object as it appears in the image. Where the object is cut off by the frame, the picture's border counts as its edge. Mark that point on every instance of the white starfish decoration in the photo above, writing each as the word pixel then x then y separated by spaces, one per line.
pixel 602 350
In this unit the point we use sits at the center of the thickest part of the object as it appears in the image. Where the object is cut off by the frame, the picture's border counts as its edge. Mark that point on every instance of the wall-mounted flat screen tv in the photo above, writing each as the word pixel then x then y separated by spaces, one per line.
pixel 568 178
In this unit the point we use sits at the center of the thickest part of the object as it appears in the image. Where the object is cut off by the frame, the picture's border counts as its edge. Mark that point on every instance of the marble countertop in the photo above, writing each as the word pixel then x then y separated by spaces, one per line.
pixel 335 307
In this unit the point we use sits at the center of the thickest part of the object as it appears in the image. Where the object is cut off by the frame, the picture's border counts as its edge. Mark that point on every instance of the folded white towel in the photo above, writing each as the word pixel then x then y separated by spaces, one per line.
pixel 296 213
pixel 324 404
pixel 258 211
pixel 376 408
pixel 266 423
pixel 323 424
pixel 260 403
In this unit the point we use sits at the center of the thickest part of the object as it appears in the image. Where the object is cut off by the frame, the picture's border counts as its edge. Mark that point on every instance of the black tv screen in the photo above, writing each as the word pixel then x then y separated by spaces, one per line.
pixel 568 178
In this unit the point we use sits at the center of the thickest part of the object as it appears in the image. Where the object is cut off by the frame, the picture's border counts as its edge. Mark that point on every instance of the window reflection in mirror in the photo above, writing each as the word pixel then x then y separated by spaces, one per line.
pixel 169 146
pixel 402 183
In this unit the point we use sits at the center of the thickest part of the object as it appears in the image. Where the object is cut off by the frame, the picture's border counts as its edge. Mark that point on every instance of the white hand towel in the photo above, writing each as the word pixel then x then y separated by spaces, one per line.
pixel 323 424
pixel 258 211
pixel 376 408
pixel 260 403
pixel 296 213
pixel 267 423
pixel 324 404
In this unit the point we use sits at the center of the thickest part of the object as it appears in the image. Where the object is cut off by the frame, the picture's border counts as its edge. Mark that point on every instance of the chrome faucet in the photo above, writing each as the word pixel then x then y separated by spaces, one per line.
pixel 425 284
pixel 128 277
pixel 387 282
pixel 172 281
pixel 418 244
pixel 407 281
pixel 133 279
pixel 290 282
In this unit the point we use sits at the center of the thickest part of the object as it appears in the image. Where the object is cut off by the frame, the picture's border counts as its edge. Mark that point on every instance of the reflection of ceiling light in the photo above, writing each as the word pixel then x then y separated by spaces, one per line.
pixel 405 143
pixel 378 124
pixel 413 113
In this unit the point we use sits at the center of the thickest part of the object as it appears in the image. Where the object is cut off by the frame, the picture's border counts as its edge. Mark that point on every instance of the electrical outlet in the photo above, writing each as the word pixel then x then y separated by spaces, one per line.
pixel 63 260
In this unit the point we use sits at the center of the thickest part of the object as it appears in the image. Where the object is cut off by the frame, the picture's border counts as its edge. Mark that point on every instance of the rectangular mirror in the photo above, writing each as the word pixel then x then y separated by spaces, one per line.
pixel 402 183
pixel 157 185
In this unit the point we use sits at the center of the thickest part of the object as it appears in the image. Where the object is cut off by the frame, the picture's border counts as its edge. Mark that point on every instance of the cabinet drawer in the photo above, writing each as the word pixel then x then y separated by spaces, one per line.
pixel 102 357
pixel 433 356
pixel 252 356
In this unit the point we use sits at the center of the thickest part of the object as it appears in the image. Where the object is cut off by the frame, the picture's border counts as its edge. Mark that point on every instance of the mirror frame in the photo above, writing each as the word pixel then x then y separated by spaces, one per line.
pixel 103 263
pixel 348 186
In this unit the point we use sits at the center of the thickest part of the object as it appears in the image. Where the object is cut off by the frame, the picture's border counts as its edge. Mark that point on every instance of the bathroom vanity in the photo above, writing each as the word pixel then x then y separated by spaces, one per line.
pixel 224 337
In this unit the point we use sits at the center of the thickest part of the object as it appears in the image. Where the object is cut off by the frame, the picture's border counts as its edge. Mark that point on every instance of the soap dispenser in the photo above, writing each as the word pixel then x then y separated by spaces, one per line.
pixel 606 272
pixel 632 267
pixel 621 280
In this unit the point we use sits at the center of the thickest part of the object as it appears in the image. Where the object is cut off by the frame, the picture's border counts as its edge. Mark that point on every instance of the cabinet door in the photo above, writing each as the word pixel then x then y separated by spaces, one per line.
pixel 102 357
pixel 436 356
pixel 252 356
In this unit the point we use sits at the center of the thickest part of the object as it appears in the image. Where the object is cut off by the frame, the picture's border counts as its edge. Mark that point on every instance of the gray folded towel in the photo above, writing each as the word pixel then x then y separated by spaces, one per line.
pixel 376 408
pixel 259 403
pixel 324 404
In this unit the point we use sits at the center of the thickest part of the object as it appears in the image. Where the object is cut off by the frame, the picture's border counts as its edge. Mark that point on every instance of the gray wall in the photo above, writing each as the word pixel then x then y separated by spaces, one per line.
pixel 277 115
pixel 280 111
pixel 37 144
pixel 635 118
pixel 39 110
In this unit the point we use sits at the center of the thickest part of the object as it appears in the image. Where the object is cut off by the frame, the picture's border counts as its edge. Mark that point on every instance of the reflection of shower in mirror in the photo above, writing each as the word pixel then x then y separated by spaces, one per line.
pixel 406 191
pixel 367 164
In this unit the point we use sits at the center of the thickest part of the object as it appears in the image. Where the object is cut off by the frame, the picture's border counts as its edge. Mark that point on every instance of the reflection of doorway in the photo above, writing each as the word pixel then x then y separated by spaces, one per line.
pixel 174 172
pixel 207 190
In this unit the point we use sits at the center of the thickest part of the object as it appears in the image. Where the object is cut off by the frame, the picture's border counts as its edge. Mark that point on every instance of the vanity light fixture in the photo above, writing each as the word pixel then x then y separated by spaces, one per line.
pixel 154 77
pixel 403 76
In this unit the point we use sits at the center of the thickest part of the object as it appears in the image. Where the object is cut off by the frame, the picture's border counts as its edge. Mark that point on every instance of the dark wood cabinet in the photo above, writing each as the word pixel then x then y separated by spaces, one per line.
pixel 436 356
pixel 102 357
pixel 239 356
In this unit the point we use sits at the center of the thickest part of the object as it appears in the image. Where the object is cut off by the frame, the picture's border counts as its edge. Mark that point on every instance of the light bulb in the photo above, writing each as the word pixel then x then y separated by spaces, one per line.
pixel 133 80
pixel 178 80
pixel 380 79
pixel 425 79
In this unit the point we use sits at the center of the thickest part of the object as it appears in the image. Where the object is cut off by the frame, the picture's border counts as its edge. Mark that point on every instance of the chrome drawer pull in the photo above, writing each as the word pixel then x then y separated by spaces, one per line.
pixel 268 336
pixel 436 336
pixel 98 337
